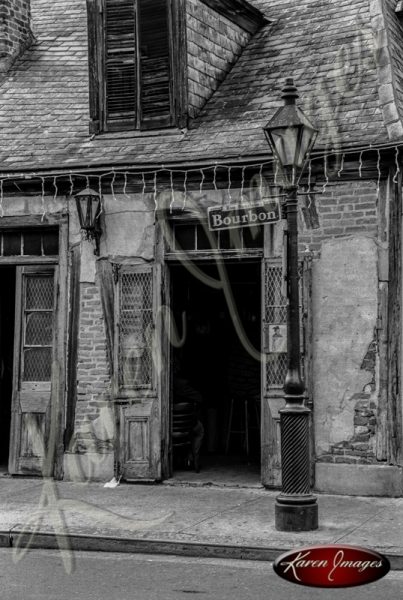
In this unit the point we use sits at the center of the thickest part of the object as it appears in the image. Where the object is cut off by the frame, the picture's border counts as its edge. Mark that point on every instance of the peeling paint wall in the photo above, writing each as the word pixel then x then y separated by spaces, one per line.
pixel 345 311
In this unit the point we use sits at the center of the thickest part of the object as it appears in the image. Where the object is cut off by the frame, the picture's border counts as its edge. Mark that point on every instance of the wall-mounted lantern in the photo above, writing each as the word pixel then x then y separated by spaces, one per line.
pixel 89 210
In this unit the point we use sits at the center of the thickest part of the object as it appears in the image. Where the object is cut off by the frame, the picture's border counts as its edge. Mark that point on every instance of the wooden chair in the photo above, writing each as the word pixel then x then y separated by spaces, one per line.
pixel 183 422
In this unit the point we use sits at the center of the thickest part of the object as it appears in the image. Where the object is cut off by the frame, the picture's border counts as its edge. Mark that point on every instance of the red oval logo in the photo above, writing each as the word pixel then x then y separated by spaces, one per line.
pixel 332 566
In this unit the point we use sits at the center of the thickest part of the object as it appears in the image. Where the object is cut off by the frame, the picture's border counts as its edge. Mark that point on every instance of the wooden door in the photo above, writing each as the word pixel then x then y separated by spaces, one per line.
pixel 34 351
pixel 139 371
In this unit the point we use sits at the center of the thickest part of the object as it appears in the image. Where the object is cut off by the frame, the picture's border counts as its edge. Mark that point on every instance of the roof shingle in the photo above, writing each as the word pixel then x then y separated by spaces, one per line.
pixel 327 47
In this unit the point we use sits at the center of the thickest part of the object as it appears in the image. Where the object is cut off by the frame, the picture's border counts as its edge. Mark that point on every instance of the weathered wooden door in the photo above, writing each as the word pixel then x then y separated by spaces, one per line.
pixel 34 351
pixel 139 371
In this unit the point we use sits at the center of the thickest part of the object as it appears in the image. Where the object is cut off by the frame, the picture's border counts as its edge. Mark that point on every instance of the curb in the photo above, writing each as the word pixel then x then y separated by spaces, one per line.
pixel 77 542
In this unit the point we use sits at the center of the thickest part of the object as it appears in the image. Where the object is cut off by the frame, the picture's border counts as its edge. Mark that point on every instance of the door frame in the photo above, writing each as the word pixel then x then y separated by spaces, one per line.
pixel 53 466
pixel 171 260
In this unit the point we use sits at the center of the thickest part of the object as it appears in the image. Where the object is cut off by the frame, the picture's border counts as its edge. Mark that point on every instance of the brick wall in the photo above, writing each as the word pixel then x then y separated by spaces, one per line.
pixel 214 44
pixel 15 30
pixel 93 376
pixel 343 209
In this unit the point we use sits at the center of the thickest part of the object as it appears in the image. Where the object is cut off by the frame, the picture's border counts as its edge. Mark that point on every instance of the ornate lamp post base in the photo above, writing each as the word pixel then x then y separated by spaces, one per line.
pixel 296 513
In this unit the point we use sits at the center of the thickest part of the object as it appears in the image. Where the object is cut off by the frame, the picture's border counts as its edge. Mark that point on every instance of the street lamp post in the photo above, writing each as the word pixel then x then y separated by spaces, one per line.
pixel 291 137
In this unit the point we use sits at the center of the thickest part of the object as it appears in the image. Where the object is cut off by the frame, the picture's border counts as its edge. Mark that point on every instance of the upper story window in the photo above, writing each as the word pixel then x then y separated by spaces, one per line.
pixel 134 52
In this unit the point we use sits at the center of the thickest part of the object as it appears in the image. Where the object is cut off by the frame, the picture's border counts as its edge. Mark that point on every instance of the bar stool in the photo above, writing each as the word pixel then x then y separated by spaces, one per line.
pixel 243 404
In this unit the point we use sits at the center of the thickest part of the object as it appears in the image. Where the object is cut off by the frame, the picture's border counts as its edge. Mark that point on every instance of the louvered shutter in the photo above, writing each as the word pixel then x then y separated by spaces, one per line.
pixel 155 94
pixel 120 64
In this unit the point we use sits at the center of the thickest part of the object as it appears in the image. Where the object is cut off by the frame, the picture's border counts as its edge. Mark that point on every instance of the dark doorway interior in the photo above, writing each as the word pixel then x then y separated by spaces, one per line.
pixel 7 316
pixel 216 366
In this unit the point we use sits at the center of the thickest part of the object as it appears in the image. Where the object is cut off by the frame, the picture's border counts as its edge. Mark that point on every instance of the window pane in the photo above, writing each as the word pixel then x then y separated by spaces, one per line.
pixel 39 292
pixel 37 364
pixel 136 319
pixel 12 244
pixel 32 243
pixel 39 329
pixel 185 237
pixel 51 243
pixel 253 237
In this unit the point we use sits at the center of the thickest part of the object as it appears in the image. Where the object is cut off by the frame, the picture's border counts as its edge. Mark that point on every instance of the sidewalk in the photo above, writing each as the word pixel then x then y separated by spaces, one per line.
pixel 188 520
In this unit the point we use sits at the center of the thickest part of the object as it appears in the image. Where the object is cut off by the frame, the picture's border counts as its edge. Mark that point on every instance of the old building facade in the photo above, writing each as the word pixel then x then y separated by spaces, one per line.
pixel 158 107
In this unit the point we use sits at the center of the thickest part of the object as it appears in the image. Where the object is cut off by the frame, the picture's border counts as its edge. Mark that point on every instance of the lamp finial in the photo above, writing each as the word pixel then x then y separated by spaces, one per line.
pixel 290 92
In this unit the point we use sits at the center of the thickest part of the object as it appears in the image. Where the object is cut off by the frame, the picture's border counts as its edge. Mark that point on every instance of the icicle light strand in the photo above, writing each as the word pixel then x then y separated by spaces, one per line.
pixel 325 173
pixel 43 198
pixel 113 185
pixel 171 205
pixel 202 181
pixel 378 166
pixel 360 165
pixel 339 172
pixel 397 165
pixel 185 190
pixel 56 188
pixel 229 186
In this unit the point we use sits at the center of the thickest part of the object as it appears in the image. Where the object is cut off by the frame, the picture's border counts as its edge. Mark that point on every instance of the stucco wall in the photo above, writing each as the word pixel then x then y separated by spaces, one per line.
pixel 345 311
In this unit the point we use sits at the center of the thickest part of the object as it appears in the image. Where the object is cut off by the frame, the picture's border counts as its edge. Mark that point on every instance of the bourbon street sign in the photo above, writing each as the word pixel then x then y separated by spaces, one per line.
pixel 243 215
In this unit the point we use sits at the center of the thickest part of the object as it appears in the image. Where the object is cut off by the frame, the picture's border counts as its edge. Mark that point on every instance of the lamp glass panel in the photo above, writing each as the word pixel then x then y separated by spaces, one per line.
pixel 307 138
pixel 286 142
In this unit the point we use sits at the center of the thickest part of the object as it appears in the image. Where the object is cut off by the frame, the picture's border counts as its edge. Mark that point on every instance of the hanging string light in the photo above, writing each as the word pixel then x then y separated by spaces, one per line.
pixel 229 186
pixel 378 166
pixel 125 186
pixel 397 165
pixel 276 175
pixel 113 184
pixel 56 189
pixel 100 194
pixel 43 198
pixel 360 164
pixel 339 172
pixel 325 173
pixel 172 192
pixel 143 191
pixel 242 183
pixel 184 190
pixel 261 182
pixel 155 193
pixel 201 181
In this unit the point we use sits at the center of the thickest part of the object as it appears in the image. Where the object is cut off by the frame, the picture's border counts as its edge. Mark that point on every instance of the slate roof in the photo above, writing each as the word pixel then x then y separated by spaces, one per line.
pixel 327 46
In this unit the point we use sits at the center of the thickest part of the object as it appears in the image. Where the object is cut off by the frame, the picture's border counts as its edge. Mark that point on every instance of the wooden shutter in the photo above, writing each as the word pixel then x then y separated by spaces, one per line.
pixel 94 64
pixel 120 64
pixel 155 71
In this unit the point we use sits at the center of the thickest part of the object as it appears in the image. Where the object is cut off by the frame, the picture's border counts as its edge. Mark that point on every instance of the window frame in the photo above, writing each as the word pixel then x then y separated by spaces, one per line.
pixel 97 77
pixel 122 391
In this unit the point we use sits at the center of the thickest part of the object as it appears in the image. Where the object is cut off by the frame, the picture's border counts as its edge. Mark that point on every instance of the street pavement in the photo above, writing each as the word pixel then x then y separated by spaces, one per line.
pixel 205 521
pixel 41 575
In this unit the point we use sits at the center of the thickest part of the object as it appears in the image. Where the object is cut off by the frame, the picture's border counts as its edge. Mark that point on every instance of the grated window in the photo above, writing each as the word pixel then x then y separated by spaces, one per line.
pixel 38 327
pixel 135 329
pixel 276 314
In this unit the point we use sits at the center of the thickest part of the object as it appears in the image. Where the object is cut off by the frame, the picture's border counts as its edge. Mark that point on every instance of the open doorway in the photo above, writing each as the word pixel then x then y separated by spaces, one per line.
pixel 215 371
pixel 7 317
